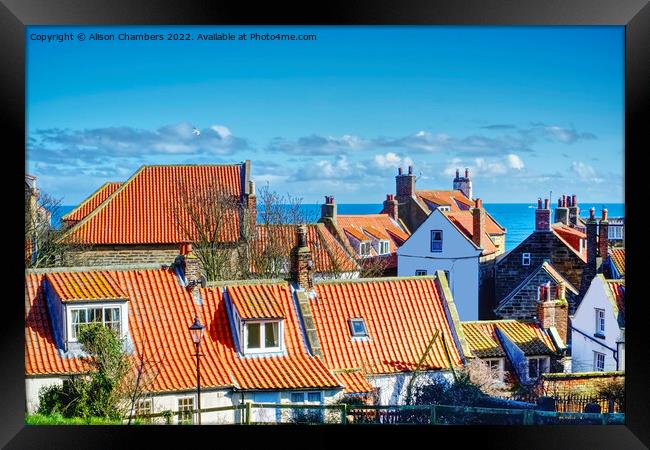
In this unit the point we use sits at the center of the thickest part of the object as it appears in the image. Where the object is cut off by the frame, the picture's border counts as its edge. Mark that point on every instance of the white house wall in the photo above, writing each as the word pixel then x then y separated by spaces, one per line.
pixel 458 256
pixel 584 319
pixel 393 387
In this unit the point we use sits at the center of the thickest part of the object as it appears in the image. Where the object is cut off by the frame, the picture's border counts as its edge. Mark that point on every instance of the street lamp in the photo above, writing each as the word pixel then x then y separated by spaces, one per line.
pixel 196 330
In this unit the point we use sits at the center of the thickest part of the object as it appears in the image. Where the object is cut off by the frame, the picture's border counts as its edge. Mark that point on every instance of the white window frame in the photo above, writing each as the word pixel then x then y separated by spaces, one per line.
pixel 597 357
pixel 615 232
pixel 440 240
pixel 600 321
pixel 103 307
pixel 383 247
pixel 179 406
pixel 420 273
pixel 363 245
pixel 262 348
pixel 140 410
pixel 525 259
pixel 545 360
pixel 500 368
pixel 363 323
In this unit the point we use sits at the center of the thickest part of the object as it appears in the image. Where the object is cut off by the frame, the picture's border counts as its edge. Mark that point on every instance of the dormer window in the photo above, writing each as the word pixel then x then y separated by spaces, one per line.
pixel 109 316
pixel 358 327
pixel 364 248
pixel 384 247
pixel 262 336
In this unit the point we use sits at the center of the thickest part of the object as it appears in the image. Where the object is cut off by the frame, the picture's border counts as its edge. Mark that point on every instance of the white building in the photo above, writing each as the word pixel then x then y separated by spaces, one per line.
pixel 598 328
pixel 447 241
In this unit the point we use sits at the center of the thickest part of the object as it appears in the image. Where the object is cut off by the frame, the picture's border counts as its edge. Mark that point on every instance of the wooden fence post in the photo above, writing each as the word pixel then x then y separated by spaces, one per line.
pixel 605 418
pixel 528 416
pixel 344 414
pixel 248 412
pixel 433 418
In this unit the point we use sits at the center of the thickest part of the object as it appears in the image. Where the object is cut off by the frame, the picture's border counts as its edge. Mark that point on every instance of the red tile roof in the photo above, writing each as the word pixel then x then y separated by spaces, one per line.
pixel 354 382
pixel 70 286
pixel 464 221
pixel 382 226
pixel 617 290
pixel 327 253
pixel 160 313
pixel 401 316
pixel 92 202
pixel 618 259
pixel 571 237
pixel 457 202
pixel 530 337
pixel 256 301
pixel 145 209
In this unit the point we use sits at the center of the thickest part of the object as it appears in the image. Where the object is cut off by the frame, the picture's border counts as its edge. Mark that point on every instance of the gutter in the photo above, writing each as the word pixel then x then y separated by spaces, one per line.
pixel 614 351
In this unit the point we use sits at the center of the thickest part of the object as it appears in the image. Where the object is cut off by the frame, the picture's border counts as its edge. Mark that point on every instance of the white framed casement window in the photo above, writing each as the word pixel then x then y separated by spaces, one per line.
pixel 537 365
pixel 144 407
pixel 600 322
pixel 358 327
pixel 420 273
pixel 263 336
pixel 615 232
pixel 525 259
pixel 599 362
pixel 496 367
pixel 186 411
pixel 436 240
pixel 384 247
pixel 109 316
pixel 364 248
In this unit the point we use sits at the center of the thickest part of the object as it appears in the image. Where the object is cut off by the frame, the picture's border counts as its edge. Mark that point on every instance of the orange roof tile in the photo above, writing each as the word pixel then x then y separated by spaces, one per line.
pixel 327 253
pixel 617 290
pixel 618 259
pixel 160 313
pixel 70 286
pixel 256 301
pixel 353 381
pixel 381 226
pixel 465 222
pixel 401 316
pixel 529 337
pixel 92 202
pixel 571 238
pixel 145 209
pixel 356 233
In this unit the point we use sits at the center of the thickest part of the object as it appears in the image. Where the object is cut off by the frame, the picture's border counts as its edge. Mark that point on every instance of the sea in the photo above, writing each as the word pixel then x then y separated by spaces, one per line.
pixel 517 218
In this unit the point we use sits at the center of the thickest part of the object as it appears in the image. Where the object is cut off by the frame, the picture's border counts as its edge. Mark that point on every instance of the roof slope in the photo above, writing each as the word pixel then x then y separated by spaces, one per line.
pixel 530 337
pixel 256 301
pixel 464 221
pixel 401 316
pixel 552 273
pixel 571 237
pixel 617 294
pixel 379 226
pixel 617 256
pixel 85 286
pixel 145 209
pixel 92 202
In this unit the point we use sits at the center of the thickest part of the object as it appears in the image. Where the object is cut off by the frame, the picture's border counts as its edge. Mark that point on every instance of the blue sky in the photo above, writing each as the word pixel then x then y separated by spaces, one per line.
pixel 527 109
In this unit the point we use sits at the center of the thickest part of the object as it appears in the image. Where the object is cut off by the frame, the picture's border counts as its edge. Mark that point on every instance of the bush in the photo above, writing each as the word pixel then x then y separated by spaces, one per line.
pixel 462 392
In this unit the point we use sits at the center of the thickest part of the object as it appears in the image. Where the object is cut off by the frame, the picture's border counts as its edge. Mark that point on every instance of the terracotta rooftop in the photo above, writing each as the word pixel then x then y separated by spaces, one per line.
pixel 617 291
pixel 571 237
pixel 256 301
pixel 618 259
pixel 92 202
pixel 465 223
pixel 71 286
pixel 530 337
pixel 145 209
pixel 401 316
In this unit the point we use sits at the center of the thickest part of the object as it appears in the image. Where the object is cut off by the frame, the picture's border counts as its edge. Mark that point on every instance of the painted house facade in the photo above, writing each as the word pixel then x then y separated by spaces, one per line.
pixel 458 243
pixel 598 328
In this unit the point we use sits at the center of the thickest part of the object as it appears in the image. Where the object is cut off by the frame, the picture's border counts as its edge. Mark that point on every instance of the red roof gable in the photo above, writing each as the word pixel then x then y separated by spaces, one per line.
pixel 401 316
pixel 71 286
pixel 571 237
pixel 144 209
pixel 465 222
pixel 256 301
pixel 92 202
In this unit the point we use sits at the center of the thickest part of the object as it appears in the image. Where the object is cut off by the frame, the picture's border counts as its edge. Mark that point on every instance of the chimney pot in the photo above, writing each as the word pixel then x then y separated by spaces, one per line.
pixel 457 173
pixel 399 171
pixel 559 202
pixel 545 203
pixel 574 200
pixel 539 203
pixel 410 170
pixel 592 213
pixel 466 172
pixel 604 214
pixel 564 201
pixel 479 203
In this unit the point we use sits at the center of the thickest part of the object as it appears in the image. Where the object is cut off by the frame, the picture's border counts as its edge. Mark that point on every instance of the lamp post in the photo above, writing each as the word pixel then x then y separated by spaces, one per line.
pixel 196 330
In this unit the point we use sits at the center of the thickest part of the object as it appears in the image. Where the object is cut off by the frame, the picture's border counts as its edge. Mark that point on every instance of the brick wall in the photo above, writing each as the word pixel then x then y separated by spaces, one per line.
pixel 584 383
pixel 542 246
pixel 106 255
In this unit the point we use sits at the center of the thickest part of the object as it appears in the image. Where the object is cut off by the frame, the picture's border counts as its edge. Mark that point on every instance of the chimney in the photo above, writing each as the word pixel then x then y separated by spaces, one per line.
pixel 189 262
pixel 328 210
pixel 589 272
pixel 391 207
pixel 251 207
pixel 603 235
pixel 302 265
pixel 562 212
pixel 405 184
pixel 555 312
pixel 463 184
pixel 478 222
pixel 574 212
pixel 542 216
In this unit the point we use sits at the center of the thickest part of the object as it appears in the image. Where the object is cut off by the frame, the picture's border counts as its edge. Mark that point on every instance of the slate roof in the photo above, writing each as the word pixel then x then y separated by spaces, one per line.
pixel 551 271
pixel 530 337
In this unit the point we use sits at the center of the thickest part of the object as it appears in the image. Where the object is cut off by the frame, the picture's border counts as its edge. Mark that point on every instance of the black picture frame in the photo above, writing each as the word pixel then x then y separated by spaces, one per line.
pixel 15 15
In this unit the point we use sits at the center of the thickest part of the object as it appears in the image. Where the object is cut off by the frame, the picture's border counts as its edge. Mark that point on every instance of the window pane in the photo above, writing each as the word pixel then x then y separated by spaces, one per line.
pixel 532 368
pixel 271 334
pixel 253 335
pixel 313 396
pixel 297 397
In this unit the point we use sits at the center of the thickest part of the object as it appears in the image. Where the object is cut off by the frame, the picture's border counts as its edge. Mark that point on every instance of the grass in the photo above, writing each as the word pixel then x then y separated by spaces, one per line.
pixel 58 419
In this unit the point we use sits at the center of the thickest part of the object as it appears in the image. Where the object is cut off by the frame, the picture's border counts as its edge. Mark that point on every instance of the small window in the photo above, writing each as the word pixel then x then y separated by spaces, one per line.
pixel 364 248
pixel 599 362
pixel 262 336
pixel 297 397
pixel 253 341
pixel 314 397
pixel 496 370
pixel 536 367
pixel 108 316
pixel 384 247
pixel 436 240
pixel 358 327
pixel 600 322
pixel 420 273
pixel 525 259
pixel 186 411
pixel 143 407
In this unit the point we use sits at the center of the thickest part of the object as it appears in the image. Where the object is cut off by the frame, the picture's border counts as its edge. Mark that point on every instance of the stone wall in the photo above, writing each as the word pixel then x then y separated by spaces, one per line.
pixel 542 246
pixel 114 255
pixel 500 242
pixel 586 383
pixel 523 305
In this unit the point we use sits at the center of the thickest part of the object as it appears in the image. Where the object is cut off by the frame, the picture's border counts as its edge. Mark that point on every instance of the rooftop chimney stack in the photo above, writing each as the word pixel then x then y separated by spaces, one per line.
pixel 555 312
pixel 328 210
pixel 405 184
pixel 542 216
pixel 190 264
pixel 589 272
pixel 251 208
pixel 562 212
pixel 603 235
pixel 478 221
pixel 302 265
pixel 574 212
pixel 391 207
pixel 463 184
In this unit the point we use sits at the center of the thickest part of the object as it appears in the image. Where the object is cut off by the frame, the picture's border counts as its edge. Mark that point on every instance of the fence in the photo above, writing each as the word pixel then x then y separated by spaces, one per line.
pixel 574 403
pixel 404 414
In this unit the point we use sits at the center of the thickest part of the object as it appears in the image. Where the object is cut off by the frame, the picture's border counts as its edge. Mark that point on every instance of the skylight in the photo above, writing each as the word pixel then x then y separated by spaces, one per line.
pixel 358 327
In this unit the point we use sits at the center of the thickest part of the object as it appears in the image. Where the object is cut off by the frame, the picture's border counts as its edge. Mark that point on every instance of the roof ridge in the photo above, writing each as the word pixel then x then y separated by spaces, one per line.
pixel 90 197
pixel 247 282
pixel 374 279
pixel 116 268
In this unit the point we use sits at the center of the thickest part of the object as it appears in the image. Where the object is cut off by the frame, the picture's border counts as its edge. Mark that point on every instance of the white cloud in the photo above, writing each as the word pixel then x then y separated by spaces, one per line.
pixel 391 160
pixel 585 172
pixel 515 162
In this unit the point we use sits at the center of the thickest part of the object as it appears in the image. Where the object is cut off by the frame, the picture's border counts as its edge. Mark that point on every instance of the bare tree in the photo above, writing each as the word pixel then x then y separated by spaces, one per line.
pixel 483 376
pixel 145 370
